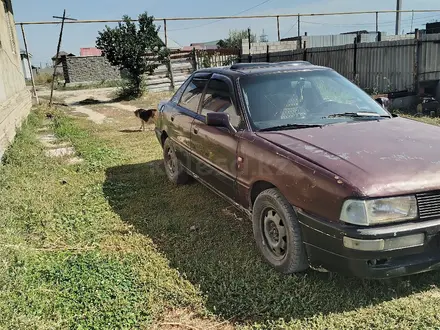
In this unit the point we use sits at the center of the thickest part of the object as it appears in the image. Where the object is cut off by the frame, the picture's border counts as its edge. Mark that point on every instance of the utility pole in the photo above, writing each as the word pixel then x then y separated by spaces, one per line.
pixel 377 22
pixel 31 72
pixel 278 28
pixel 63 18
pixel 299 26
pixel 398 9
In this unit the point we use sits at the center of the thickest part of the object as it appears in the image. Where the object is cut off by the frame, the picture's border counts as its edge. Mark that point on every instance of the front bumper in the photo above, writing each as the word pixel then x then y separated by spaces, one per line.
pixel 325 248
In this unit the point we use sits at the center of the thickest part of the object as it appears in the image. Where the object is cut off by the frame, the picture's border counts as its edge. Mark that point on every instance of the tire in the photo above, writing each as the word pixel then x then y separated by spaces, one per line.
pixel 173 167
pixel 277 232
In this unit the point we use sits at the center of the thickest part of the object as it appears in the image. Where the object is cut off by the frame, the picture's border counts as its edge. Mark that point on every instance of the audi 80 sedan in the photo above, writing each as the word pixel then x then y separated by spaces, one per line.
pixel 330 178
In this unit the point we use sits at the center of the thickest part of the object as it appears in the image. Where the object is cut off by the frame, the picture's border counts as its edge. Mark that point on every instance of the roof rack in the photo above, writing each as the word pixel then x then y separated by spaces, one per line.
pixel 239 66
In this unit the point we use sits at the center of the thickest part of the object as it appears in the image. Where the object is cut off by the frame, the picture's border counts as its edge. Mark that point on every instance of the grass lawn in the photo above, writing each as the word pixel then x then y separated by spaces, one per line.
pixel 111 244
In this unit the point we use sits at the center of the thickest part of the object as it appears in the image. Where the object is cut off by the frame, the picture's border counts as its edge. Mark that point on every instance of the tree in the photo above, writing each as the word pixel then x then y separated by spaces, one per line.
pixel 235 39
pixel 126 46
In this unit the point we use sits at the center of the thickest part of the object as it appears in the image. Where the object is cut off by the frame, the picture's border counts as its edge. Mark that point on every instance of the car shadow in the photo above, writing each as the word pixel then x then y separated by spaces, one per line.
pixel 212 245
pixel 130 130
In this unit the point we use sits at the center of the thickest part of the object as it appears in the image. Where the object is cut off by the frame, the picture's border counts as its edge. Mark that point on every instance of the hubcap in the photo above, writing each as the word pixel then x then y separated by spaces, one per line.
pixel 274 233
pixel 170 161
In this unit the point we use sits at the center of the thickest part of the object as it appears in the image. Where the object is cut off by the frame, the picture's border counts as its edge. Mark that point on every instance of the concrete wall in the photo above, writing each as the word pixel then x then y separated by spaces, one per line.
pixel 15 99
pixel 261 47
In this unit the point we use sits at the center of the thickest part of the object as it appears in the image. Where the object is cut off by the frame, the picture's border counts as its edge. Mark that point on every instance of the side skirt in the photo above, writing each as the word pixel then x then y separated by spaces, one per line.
pixel 227 198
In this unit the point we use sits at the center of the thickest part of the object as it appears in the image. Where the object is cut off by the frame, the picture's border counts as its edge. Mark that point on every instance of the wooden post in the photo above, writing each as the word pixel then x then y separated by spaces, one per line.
pixel 56 57
pixel 278 28
pixel 417 56
pixel 63 18
pixel 267 54
pixel 165 31
pixel 194 59
pixel 169 66
pixel 377 22
pixel 299 26
pixel 305 52
pixel 29 65
pixel 355 59
pixel 249 42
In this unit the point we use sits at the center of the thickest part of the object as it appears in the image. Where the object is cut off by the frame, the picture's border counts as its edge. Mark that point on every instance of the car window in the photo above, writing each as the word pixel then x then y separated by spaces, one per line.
pixel 218 98
pixel 191 96
pixel 331 90
pixel 303 97
pixel 177 96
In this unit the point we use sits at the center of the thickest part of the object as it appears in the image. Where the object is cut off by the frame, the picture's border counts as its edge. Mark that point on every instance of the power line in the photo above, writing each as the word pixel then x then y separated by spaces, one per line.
pixel 239 13
pixel 364 24
pixel 294 24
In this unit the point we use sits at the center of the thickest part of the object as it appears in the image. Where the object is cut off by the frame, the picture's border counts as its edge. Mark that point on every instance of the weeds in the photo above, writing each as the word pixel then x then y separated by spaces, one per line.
pixel 111 244
pixel 68 260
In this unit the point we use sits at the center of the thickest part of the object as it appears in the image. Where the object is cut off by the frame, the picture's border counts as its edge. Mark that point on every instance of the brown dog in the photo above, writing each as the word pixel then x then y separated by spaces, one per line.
pixel 144 115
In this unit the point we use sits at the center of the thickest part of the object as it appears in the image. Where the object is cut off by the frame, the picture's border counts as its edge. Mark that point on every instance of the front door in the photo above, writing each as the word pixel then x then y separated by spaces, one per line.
pixel 182 115
pixel 214 149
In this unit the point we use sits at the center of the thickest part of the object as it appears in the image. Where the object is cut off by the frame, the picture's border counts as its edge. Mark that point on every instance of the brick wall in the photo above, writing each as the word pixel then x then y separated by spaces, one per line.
pixel 89 68
pixel 86 69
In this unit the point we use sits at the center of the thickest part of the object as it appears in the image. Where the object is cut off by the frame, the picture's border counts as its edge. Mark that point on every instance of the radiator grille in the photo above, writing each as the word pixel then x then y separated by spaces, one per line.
pixel 429 205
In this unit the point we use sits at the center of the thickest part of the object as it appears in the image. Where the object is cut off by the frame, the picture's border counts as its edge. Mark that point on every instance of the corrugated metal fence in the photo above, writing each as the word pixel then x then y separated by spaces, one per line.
pixel 382 67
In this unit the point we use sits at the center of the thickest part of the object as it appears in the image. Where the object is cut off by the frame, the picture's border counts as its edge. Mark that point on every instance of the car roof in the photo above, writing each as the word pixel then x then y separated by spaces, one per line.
pixel 256 68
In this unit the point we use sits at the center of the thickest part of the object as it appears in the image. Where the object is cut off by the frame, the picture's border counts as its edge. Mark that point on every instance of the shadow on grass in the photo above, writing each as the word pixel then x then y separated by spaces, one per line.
pixel 216 251
pixel 93 101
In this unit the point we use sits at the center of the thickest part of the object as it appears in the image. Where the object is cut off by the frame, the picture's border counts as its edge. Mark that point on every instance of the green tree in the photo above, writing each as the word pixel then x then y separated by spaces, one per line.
pixel 126 46
pixel 235 38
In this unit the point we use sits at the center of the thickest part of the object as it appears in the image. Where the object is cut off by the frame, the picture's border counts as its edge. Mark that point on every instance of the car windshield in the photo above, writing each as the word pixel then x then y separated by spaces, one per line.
pixel 305 99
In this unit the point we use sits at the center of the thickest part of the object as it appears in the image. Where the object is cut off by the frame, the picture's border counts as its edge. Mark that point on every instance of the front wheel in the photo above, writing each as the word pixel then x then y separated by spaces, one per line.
pixel 277 232
pixel 173 168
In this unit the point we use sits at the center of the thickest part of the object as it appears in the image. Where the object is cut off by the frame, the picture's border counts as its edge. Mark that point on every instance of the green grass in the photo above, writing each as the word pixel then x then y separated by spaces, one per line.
pixel 68 261
pixel 110 244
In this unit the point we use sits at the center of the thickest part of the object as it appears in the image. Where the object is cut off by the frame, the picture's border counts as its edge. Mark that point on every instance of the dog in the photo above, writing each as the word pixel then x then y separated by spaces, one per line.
pixel 144 115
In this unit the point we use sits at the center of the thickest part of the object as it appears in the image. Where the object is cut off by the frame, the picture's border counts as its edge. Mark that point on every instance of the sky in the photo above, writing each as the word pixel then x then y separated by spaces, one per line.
pixel 42 39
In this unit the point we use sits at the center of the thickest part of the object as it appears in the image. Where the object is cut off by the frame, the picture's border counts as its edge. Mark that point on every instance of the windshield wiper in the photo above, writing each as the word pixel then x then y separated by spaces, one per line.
pixel 358 115
pixel 289 126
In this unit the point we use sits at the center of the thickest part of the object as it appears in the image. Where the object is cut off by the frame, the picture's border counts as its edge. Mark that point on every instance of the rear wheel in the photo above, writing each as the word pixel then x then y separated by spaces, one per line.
pixel 173 167
pixel 277 232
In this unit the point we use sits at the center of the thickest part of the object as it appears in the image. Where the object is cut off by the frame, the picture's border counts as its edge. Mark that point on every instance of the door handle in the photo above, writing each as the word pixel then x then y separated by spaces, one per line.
pixel 195 130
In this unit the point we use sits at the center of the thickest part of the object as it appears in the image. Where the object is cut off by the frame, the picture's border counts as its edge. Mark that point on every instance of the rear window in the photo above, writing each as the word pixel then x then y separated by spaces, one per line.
pixel 191 96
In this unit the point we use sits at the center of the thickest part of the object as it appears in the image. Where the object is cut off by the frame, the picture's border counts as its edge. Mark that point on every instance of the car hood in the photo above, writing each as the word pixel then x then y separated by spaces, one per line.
pixel 378 158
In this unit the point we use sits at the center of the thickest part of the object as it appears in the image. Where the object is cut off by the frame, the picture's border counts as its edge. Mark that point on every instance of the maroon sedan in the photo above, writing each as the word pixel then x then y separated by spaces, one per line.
pixel 330 178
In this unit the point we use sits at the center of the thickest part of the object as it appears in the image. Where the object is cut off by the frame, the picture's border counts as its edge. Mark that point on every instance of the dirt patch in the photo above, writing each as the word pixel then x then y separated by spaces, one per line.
pixel 94 116
pixel 184 319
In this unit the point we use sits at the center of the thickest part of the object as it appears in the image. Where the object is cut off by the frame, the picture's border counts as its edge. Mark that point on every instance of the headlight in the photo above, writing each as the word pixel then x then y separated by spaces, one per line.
pixel 379 211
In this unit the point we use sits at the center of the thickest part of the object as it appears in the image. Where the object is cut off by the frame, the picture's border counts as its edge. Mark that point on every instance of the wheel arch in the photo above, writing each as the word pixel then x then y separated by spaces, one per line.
pixel 258 187
pixel 163 137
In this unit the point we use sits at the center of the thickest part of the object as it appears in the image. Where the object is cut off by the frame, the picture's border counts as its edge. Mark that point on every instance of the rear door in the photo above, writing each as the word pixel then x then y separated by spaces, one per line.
pixel 214 149
pixel 182 114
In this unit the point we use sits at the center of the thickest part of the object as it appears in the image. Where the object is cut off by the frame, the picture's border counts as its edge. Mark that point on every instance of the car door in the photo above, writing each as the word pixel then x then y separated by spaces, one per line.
pixel 214 149
pixel 182 114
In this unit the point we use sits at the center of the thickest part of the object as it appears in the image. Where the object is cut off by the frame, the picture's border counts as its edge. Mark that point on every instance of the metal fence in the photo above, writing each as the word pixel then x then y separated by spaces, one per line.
pixel 381 67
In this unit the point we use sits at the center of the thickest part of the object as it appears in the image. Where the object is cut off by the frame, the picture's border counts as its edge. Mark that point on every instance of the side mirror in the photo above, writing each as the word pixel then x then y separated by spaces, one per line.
pixel 219 119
